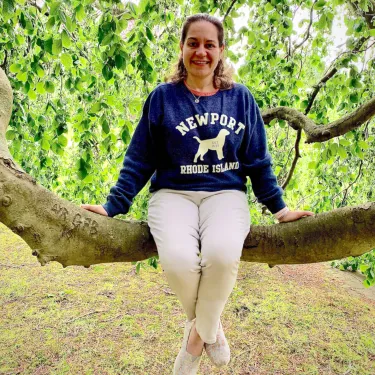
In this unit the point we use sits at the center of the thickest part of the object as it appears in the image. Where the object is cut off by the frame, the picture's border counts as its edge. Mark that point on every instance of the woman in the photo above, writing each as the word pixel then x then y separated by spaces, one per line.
pixel 199 137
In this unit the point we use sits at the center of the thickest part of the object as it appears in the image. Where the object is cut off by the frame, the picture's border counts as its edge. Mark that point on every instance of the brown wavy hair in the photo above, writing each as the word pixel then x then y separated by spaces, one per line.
pixel 222 73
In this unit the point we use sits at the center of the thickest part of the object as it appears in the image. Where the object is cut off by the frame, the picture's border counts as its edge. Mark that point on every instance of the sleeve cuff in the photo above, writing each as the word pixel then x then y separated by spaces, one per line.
pixel 108 209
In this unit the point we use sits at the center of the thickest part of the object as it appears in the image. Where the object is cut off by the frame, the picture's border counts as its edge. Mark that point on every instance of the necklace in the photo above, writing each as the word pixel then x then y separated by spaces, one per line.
pixel 197 98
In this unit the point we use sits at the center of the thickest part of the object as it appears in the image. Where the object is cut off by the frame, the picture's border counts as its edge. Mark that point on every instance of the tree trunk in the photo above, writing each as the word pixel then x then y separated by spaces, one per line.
pixel 57 230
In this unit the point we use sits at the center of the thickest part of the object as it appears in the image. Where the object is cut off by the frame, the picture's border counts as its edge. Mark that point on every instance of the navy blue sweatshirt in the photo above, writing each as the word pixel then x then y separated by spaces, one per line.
pixel 207 146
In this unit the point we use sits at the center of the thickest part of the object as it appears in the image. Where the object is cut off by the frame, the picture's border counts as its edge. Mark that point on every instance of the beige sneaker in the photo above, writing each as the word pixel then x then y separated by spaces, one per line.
pixel 186 363
pixel 219 352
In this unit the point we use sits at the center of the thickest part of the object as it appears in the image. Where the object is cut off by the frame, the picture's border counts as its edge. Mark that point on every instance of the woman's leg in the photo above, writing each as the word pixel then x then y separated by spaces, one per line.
pixel 173 218
pixel 224 225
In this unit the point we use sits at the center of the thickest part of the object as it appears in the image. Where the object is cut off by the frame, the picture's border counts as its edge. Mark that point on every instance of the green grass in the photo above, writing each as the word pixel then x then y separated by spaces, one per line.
pixel 107 320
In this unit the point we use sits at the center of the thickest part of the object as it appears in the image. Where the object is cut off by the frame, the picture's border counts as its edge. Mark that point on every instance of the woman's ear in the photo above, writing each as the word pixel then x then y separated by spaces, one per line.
pixel 181 46
pixel 222 51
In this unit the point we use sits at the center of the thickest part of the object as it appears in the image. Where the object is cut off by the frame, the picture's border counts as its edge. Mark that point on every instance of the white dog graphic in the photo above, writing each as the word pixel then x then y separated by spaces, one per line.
pixel 214 144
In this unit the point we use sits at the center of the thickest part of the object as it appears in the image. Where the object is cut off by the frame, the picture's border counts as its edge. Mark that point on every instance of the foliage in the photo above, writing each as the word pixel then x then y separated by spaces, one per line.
pixel 81 70
pixel 365 264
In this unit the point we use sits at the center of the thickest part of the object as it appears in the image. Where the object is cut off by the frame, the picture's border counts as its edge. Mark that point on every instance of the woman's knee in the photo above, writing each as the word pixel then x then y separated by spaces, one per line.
pixel 222 254
pixel 179 260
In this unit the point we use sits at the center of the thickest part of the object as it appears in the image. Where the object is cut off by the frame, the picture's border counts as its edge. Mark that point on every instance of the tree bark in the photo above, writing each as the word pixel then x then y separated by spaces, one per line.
pixel 57 230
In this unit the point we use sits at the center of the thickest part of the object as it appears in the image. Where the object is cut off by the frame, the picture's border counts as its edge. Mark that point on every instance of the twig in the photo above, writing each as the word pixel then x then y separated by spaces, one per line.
pixel 352 183
pixel 297 155
pixel 307 35
pixel 229 9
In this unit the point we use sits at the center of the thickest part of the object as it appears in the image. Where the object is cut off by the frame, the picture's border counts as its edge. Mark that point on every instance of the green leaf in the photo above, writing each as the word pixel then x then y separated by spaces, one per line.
pixel 31 94
pixel 342 152
pixel 95 108
pixel 149 34
pixel 147 51
pixel 344 142
pixel 269 7
pixel 372 32
pixel 125 136
pixel 122 25
pixel 15 68
pixel 40 71
pixel 107 72
pixel 48 45
pixel 22 76
pixel 40 88
pixel 363 145
pixel 70 25
pixel 56 46
pixel 105 126
pixel 49 87
pixel 66 42
pixel 66 60
pixel 8 7
pixel 10 135
pixel 80 13
pixel 333 148
pixel 20 40
pixel 354 98
pixel 319 4
pixel 63 141
pixel 120 62
pixel 364 267
pixel 82 173
pixel 45 144
pixel 88 179
pixel 107 39
pixel 50 23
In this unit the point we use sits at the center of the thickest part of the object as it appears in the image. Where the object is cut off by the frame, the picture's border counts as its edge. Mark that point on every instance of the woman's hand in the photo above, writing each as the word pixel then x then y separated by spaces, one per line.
pixel 295 215
pixel 97 208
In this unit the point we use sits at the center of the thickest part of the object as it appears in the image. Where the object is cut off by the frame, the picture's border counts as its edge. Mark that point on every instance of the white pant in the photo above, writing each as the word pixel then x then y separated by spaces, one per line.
pixel 199 236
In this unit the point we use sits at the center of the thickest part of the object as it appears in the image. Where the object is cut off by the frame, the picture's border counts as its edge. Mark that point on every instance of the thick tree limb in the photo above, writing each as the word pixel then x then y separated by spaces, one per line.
pixel 321 133
pixel 57 230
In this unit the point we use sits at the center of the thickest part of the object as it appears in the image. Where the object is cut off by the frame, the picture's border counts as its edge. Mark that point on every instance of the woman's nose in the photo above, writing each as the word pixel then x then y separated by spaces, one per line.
pixel 201 51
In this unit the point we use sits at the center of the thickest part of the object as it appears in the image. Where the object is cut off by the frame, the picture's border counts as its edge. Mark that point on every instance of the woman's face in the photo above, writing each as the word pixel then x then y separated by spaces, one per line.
pixel 200 51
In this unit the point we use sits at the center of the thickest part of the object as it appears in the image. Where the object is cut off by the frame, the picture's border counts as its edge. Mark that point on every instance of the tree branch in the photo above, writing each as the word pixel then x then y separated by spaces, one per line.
pixel 321 133
pixel 312 97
